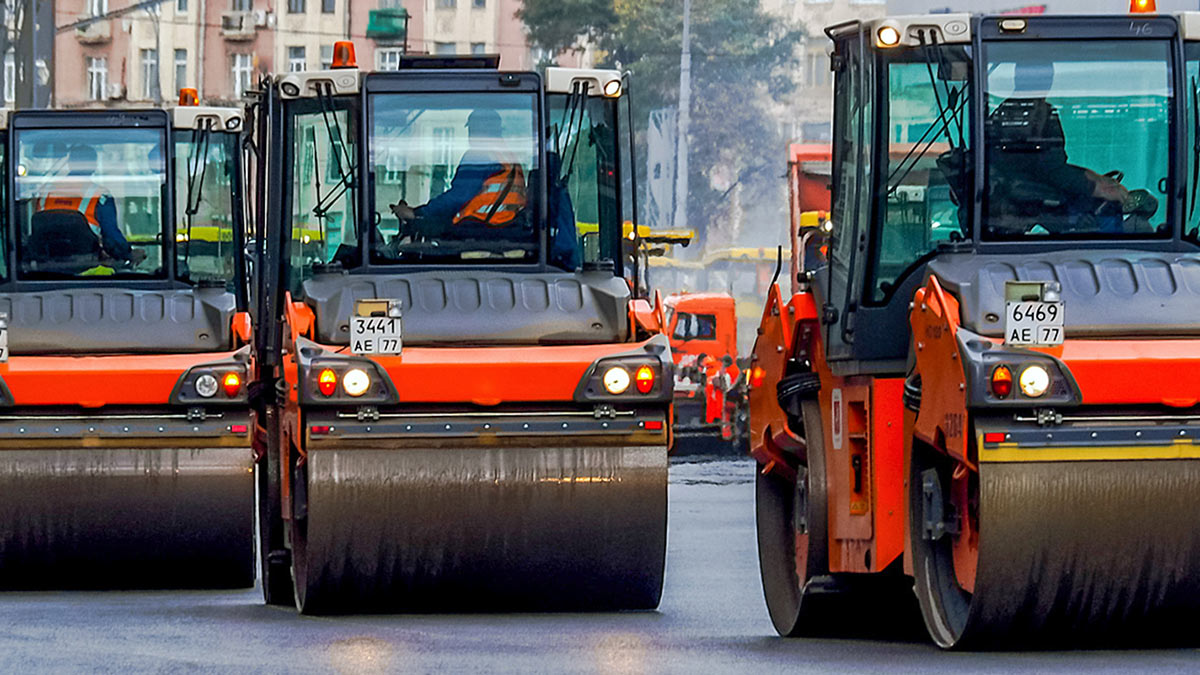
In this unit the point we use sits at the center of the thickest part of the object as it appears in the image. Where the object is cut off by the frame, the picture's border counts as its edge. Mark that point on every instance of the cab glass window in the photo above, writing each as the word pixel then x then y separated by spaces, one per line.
pixel 205 170
pixel 583 209
pixel 927 145
pixel 90 203
pixel 1191 223
pixel 1078 139
pixel 695 326
pixel 323 222
pixel 453 178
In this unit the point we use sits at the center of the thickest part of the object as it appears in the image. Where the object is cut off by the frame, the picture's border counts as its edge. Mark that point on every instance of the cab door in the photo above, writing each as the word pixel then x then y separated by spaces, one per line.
pixel 839 286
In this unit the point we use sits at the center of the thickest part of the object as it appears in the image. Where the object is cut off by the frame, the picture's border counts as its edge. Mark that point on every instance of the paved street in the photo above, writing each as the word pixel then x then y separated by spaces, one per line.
pixel 712 619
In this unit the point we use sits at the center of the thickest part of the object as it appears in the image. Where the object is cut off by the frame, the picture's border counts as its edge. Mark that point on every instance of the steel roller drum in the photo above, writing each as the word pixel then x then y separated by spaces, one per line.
pixel 483 528
pixel 1099 553
pixel 126 518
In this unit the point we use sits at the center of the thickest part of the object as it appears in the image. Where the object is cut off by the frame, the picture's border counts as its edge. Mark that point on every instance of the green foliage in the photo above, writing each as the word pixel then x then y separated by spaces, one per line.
pixel 743 61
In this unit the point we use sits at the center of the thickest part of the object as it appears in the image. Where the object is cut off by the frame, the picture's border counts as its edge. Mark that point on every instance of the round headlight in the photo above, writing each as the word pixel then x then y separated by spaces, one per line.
pixel 206 385
pixel 616 380
pixel 356 382
pixel 888 36
pixel 612 88
pixel 1034 381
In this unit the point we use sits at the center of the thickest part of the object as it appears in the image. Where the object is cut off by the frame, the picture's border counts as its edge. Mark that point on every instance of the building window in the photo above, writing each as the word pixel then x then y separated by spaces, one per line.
pixel 296 61
pixel 816 68
pixel 444 48
pixel 391 4
pixel 97 7
pixel 150 74
pixel 97 77
pixel 295 6
pixel 387 59
pixel 180 69
pixel 328 6
pixel 326 57
pixel 478 48
pixel 10 77
pixel 479 4
pixel 242 71
pixel 241 5
pixel 447 4
pixel 181 6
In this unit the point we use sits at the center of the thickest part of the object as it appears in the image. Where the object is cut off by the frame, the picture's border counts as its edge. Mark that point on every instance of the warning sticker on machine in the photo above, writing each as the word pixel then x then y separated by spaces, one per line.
pixel 375 335
pixel 1033 323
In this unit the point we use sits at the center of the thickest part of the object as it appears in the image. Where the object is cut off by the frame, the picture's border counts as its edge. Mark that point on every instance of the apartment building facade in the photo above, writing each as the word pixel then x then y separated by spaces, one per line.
pixel 124 52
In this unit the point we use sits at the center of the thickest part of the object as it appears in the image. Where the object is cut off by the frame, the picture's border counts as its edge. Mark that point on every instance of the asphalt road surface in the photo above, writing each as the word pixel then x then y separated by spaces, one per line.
pixel 712 619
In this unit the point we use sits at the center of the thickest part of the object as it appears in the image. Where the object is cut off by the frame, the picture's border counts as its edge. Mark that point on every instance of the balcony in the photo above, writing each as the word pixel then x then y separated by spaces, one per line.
pixel 237 26
pixel 94 33
pixel 388 25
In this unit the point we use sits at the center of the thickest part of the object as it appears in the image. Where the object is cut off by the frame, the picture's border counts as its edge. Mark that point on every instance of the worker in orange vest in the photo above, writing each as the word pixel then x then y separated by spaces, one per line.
pixel 488 190
pixel 97 206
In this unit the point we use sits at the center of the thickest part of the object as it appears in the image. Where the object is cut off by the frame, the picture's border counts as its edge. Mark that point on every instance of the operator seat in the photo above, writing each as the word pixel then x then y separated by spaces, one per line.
pixel 61 235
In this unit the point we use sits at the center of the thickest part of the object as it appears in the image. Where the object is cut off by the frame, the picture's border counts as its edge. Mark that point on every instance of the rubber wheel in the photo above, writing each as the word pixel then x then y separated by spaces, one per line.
pixel 792 540
pixel 945 604
pixel 273 558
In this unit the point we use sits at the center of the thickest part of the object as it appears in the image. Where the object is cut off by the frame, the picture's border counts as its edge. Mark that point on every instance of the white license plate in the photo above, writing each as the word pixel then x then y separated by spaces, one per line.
pixel 375 335
pixel 1033 323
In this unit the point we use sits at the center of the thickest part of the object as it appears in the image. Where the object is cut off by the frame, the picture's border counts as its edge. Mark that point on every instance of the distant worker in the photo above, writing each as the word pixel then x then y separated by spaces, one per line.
pixel 488 188
pixel 98 207
pixel 1031 180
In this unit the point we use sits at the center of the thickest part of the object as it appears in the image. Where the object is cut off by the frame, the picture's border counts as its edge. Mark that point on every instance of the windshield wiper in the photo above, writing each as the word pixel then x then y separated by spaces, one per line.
pixel 197 167
pixel 341 160
pixel 1195 145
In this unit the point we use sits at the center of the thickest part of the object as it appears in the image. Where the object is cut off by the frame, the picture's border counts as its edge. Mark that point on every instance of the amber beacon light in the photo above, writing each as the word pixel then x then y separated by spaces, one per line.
pixel 343 55
pixel 1142 6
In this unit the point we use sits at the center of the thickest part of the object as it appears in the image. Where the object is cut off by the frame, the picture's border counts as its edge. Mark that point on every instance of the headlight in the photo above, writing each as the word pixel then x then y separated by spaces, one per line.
pixel 1034 381
pixel 616 380
pixel 356 382
pixel 206 385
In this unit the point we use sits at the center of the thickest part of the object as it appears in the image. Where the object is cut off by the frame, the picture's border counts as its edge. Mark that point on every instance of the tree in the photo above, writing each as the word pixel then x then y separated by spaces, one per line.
pixel 743 61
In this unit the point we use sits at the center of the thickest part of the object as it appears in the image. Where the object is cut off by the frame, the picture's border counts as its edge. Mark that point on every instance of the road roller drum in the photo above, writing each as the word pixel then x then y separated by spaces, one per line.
pixel 126 518
pixel 477 529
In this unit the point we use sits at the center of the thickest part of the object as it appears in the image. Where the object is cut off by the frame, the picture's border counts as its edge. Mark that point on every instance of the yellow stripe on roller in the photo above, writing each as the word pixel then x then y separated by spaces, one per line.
pixel 1011 452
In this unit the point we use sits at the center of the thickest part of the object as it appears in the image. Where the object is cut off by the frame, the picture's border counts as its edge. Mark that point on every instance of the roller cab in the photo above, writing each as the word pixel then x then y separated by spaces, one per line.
pixel 125 452
pixel 474 411
pixel 988 392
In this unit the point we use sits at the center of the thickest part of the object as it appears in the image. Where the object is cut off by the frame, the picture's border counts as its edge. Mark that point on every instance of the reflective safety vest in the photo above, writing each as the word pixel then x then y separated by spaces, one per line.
pixel 87 204
pixel 499 201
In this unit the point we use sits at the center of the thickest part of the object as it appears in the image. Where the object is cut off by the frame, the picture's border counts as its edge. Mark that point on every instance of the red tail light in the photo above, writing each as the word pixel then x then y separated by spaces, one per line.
pixel 994 437
pixel 319 429
pixel 653 425
pixel 1002 382
pixel 756 376
pixel 232 383
pixel 238 428
pixel 644 379
pixel 327 382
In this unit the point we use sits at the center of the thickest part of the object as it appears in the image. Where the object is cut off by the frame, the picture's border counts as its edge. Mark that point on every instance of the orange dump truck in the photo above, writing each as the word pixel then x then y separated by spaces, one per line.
pixel 984 398
pixel 709 396
pixel 125 455
pixel 473 410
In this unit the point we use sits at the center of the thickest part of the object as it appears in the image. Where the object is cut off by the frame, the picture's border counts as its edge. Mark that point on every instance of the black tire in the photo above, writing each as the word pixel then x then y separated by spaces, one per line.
pixel 945 606
pixel 793 390
pixel 782 508
pixel 274 564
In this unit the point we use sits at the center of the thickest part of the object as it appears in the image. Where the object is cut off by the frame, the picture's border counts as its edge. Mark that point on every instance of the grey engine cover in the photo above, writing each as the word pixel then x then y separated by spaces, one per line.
pixel 1106 293
pixel 480 307
pixel 118 320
